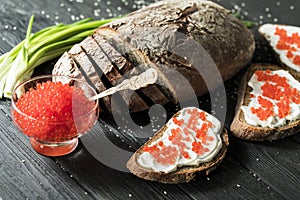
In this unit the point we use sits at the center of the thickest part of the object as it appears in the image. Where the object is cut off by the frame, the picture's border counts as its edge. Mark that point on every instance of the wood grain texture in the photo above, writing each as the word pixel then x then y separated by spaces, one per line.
pixel 251 170
pixel 26 174
pixel 276 163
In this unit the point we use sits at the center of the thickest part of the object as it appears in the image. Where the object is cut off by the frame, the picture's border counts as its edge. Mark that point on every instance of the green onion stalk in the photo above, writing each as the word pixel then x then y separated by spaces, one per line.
pixel 37 48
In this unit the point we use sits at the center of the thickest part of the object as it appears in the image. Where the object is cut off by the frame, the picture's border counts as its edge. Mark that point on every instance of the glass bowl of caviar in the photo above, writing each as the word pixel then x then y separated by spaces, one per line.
pixel 54 111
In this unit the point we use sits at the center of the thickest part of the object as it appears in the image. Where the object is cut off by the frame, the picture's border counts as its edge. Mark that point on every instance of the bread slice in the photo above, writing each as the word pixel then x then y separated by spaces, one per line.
pixel 142 63
pixel 182 173
pixel 242 130
pixel 128 69
pixel 66 65
pixel 104 66
pixel 289 36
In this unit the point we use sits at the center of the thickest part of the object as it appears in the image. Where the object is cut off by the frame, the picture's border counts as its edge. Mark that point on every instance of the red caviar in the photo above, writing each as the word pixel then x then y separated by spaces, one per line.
pixel 288 43
pixel 54 112
pixel 180 137
pixel 178 122
pixel 296 60
pixel 265 111
pixel 276 88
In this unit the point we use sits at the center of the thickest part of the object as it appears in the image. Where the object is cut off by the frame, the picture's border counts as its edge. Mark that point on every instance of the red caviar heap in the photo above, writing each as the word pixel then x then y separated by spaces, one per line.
pixel 276 88
pixel 180 137
pixel 54 112
pixel 288 43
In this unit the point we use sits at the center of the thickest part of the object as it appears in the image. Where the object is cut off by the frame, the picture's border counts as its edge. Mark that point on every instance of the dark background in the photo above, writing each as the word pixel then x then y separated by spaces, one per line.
pixel 251 170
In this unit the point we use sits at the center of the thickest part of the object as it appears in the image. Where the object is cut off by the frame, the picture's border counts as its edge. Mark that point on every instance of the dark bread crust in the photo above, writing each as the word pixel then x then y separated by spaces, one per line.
pixel 154 30
pixel 241 129
pixel 182 174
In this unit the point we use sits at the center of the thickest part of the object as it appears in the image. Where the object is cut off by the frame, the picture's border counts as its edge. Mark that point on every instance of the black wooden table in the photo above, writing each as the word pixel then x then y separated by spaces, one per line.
pixel 251 170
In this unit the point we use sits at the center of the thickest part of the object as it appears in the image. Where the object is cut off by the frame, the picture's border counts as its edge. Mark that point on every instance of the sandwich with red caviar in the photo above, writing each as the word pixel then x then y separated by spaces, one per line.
pixel 268 106
pixel 285 41
pixel 192 142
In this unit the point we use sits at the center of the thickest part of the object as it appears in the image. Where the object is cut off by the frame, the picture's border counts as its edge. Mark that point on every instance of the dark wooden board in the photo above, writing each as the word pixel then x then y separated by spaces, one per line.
pixel 251 170
pixel 26 174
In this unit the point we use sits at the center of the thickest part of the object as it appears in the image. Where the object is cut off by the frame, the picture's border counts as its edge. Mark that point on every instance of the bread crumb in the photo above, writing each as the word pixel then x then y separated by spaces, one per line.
pixel 238 185
pixel 130 195
pixel 165 192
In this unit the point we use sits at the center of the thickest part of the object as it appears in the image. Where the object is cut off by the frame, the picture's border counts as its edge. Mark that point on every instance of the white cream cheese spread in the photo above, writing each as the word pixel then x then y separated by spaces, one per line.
pixel 274 100
pixel 191 137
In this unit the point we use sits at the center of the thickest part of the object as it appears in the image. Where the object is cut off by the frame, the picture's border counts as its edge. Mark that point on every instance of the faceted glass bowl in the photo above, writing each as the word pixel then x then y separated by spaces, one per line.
pixel 54 119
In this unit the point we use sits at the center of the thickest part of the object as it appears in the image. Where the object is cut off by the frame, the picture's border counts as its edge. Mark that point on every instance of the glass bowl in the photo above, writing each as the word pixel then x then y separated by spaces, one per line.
pixel 54 111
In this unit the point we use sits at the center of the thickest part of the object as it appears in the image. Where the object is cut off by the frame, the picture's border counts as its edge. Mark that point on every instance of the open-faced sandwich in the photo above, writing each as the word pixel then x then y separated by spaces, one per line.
pixel 192 142
pixel 285 41
pixel 268 106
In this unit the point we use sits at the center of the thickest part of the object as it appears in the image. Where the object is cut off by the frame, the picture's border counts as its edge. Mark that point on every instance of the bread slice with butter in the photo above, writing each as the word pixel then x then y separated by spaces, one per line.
pixel 192 142
pixel 268 108
pixel 285 42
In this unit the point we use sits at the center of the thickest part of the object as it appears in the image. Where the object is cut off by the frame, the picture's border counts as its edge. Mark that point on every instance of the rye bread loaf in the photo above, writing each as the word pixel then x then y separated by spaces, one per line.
pixel 226 40
pixel 241 129
pixel 183 173
pixel 165 29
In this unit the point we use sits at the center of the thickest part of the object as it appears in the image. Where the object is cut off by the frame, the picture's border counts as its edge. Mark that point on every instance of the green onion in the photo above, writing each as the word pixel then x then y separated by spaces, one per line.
pixel 37 48
pixel 247 23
